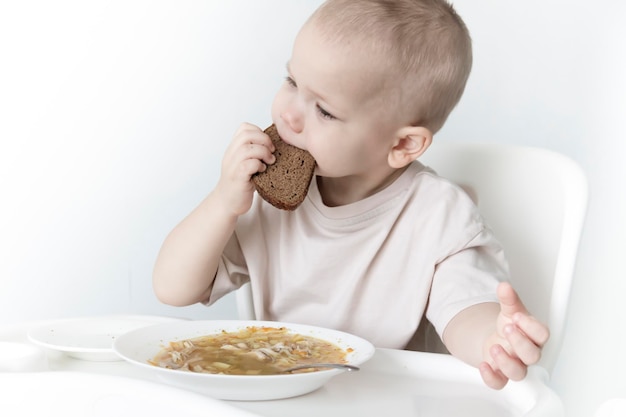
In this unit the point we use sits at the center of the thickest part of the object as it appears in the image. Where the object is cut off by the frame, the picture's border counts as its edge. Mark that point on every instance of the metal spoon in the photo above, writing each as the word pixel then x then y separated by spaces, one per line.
pixel 343 366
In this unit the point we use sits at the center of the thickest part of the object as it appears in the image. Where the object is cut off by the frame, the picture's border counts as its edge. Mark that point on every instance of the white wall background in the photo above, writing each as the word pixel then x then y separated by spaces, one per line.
pixel 114 116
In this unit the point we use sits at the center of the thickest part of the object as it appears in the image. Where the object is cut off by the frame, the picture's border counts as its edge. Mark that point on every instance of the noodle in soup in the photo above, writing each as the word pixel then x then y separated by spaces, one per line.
pixel 251 351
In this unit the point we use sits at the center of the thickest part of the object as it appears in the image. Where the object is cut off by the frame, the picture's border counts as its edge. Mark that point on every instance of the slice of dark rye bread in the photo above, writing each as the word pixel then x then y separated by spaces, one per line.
pixel 285 183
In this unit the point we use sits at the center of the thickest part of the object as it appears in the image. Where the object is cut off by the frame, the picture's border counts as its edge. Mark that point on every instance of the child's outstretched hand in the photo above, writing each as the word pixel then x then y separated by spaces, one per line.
pixel 248 153
pixel 516 343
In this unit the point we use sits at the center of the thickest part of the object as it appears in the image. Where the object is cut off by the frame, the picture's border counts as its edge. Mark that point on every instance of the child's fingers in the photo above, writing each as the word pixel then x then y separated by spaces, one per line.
pixel 250 134
pixel 249 152
pixel 257 152
pixel 510 366
pixel 493 379
pixel 255 144
pixel 522 347
pixel 535 330
pixel 510 302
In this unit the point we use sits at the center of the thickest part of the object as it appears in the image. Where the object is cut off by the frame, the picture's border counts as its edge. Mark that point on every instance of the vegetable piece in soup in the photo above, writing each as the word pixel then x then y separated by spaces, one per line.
pixel 252 351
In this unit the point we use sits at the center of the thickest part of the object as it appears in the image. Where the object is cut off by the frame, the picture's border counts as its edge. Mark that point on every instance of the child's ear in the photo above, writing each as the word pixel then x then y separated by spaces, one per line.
pixel 410 143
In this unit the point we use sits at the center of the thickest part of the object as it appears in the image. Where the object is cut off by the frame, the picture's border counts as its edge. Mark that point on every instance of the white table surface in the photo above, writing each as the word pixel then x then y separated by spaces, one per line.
pixel 393 381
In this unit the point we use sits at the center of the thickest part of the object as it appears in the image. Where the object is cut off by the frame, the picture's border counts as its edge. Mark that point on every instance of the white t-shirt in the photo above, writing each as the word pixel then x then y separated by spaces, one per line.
pixel 372 268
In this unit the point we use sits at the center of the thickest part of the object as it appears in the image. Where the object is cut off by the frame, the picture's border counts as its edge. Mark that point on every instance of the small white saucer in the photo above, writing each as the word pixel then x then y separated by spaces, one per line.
pixel 90 338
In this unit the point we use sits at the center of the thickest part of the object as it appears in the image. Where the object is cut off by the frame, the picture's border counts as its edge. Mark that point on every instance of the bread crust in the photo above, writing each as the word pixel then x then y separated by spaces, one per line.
pixel 285 183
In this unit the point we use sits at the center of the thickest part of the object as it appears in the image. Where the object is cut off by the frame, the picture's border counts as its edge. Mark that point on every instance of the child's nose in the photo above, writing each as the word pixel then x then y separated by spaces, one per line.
pixel 294 120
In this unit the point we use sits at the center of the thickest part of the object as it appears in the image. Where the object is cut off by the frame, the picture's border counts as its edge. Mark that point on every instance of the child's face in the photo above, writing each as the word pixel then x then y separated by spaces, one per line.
pixel 336 103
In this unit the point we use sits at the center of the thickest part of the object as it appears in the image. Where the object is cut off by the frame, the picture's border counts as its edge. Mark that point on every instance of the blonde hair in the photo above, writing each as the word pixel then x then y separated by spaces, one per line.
pixel 425 43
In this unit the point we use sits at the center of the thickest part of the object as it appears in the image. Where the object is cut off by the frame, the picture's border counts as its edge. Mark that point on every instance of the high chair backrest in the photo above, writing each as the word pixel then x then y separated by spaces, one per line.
pixel 535 200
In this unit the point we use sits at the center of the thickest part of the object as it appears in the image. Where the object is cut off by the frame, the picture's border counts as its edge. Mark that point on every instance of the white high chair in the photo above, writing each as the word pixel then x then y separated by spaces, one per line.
pixel 535 200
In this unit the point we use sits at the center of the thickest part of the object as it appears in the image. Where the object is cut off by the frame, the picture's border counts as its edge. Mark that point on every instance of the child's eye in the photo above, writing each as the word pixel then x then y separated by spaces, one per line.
pixel 325 114
pixel 290 81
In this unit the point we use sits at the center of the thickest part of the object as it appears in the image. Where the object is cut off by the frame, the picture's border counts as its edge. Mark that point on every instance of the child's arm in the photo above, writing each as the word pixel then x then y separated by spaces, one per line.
pixel 188 260
pixel 500 340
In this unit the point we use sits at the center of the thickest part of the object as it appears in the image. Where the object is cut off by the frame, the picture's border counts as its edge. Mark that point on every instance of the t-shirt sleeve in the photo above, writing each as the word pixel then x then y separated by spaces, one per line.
pixel 466 277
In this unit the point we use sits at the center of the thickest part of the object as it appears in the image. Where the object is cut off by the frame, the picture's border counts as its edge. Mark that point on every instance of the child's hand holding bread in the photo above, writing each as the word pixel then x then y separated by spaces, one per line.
pixel 256 159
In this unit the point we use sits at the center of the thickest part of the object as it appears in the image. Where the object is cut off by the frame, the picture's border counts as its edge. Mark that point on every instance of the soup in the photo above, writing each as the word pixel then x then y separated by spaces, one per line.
pixel 252 351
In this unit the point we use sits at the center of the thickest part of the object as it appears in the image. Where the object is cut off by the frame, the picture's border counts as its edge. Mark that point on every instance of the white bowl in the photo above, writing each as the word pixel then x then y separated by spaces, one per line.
pixel 138 346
